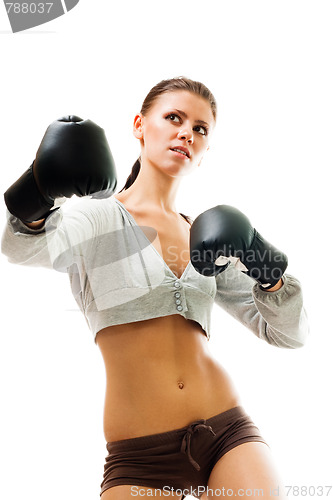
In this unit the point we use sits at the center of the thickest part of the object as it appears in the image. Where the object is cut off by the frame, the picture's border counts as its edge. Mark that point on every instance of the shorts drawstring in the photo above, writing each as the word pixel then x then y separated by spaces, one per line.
pixel 185 447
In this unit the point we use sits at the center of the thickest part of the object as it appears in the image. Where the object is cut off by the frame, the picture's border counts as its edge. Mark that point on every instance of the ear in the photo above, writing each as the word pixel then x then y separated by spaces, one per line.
pixel 138 126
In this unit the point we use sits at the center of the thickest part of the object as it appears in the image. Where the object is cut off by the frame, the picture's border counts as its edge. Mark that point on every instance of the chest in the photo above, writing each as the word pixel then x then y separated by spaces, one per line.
pixel 172 241
pixel 173 245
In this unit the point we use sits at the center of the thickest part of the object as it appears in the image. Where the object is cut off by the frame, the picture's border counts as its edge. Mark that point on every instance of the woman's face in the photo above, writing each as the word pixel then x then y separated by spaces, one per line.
pixel 177 120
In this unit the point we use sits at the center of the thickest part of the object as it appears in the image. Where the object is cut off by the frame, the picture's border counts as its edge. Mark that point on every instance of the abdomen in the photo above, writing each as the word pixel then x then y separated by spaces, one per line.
pixel 160 376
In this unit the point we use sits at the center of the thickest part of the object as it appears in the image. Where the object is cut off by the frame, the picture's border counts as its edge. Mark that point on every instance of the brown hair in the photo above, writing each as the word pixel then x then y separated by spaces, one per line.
pixel 171 85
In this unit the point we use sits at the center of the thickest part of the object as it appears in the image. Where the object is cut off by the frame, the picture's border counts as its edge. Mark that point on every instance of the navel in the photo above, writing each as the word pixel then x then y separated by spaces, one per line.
pixel 180 384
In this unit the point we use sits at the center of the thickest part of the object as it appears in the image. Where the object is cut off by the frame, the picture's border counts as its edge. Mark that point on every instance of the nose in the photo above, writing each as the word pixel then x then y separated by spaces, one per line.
pixel 186 135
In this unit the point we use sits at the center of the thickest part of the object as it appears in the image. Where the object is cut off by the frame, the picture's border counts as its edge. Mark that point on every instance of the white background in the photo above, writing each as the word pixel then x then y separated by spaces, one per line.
pixel 269 65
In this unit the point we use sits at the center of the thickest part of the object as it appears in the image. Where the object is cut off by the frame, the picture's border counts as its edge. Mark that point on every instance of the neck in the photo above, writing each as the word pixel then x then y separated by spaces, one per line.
pixel 153 188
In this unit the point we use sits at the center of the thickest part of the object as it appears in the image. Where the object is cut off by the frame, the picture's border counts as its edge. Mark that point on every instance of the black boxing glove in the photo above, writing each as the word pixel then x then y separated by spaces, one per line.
pixel 74 157
pixel 222 234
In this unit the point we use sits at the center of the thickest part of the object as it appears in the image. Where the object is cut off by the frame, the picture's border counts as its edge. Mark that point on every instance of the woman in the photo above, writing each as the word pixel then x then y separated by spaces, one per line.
pixel 173 420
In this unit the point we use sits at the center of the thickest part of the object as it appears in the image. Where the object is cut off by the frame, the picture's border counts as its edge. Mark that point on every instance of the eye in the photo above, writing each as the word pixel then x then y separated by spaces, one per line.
pixel 173 117
pixel 202 130
pixel 176 119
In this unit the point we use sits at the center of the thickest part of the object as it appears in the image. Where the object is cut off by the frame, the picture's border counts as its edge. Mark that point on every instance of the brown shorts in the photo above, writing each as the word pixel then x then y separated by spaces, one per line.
pixel 181 459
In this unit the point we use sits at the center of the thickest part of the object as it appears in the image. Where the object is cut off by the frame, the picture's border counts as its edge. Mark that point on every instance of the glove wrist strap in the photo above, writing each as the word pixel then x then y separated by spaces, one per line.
pixel 24 200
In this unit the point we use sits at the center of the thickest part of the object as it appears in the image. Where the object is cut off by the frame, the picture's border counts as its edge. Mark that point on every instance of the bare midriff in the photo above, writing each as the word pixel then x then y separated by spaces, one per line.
pixel 160 375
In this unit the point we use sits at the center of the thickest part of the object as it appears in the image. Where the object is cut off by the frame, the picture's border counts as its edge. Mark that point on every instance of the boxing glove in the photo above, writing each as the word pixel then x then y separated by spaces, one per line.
pixel 73 158
pixel 223 234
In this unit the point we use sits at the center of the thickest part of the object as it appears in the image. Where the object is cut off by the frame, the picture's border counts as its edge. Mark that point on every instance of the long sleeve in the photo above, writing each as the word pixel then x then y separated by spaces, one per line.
pixel 277 317
pixel 56 243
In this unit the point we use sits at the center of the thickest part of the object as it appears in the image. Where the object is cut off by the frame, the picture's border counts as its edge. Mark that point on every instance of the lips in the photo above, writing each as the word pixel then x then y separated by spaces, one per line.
pixel 181 148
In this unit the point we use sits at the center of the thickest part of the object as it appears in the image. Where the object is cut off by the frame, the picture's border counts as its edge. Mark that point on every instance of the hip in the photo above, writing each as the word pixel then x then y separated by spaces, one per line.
pixel 192 451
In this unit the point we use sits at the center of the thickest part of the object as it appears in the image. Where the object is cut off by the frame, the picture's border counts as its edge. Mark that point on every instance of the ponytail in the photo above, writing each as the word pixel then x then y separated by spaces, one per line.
pixel 133 175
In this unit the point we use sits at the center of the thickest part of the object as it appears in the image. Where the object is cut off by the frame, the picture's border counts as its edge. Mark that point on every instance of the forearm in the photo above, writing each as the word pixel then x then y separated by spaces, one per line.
pixel 278 317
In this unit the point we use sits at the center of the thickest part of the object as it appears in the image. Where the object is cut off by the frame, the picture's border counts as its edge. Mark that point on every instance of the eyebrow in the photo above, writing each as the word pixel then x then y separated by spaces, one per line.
pixel 182 113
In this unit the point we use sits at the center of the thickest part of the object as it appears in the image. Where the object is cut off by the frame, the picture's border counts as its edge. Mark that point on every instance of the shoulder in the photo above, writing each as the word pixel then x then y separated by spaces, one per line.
pixel 89 205
pixel 89 210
